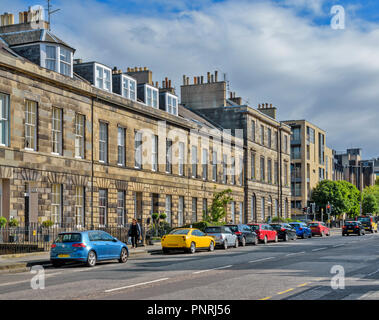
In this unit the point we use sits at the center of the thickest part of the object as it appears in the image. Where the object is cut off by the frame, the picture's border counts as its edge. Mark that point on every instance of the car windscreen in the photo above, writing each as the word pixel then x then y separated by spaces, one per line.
pixel 350 223
pixel 313 224
pixel 295 225
pixel 254 227
pixel 68 237
pixel 233 228
pixel 364 219
pixel 180 231
pixel 213 230
pixel 276 226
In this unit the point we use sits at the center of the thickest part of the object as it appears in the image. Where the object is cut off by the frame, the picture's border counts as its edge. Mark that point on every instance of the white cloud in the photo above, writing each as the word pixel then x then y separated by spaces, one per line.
pixel 270 53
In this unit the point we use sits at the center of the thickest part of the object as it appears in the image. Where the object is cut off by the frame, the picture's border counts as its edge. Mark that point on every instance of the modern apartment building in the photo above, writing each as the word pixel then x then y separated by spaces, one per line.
pixel 311 162
pixel 350 167
pixel 266 143
pixel 84 144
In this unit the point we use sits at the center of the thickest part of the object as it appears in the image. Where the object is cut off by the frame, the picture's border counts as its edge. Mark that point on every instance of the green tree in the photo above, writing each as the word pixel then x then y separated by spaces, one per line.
pixel 373 190
pixel 377 181
pixel 342 195
pixel 217 211
pixel 369 204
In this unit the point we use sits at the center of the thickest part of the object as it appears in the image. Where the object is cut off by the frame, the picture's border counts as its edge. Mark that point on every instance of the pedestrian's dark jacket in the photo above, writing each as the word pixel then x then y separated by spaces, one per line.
pixel 134 230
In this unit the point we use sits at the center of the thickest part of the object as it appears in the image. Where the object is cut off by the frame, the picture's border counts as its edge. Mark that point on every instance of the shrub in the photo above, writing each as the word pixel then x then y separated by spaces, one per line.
pixel 3 222
pixel 47 224
pixel 13 222
pixel 155 216
pixel 278 219
pixel 163 216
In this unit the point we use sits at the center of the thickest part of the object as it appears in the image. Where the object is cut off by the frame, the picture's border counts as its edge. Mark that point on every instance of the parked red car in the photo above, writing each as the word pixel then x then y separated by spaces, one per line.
pixel 264 232
pixel 319 228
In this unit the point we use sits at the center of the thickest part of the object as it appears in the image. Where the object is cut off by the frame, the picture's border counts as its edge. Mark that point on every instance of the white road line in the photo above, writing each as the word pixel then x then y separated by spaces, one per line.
pixel 338 245
pixel 295 253
pixel 261 259
pixel 319 249
pixel 136 285
pixel 201 271
pixel 27 280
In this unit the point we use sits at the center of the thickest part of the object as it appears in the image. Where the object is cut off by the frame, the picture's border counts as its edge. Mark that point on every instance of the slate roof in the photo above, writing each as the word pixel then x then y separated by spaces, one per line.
pixel 31 36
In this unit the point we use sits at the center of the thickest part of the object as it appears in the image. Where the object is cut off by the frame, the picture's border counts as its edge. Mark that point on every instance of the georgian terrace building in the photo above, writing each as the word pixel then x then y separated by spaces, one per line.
pixel 83 144
pixel 265 142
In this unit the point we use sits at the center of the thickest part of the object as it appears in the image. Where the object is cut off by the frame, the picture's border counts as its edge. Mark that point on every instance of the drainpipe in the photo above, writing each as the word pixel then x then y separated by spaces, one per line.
pixel 92 164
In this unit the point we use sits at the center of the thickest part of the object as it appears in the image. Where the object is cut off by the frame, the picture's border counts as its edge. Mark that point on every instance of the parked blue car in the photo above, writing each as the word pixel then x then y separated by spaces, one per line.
pixel 87 247
pixel 302 230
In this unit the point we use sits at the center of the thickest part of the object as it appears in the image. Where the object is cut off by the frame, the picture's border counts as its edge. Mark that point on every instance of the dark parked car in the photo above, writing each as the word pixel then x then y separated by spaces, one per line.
pixel 353 227
pixel 244 233
pixel 285 231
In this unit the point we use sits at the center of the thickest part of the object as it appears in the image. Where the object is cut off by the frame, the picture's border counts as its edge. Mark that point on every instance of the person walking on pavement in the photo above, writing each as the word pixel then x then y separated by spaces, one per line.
pixel 134 233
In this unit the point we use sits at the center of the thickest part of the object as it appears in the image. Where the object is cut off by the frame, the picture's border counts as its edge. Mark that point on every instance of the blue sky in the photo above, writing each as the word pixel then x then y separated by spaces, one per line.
pixel 282 52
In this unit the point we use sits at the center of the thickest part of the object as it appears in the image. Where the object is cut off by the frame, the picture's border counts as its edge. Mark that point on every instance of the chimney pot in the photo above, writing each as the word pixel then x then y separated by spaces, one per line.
pixel 216 76
pixel 209 77
pixel 184 80
pixel 202 79
pixel 169 84
pixel 187 80
pixel 194 80
pixel 212 78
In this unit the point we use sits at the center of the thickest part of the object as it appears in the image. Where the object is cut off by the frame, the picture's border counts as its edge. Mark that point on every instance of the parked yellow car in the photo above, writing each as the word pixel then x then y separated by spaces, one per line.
pixel 187 239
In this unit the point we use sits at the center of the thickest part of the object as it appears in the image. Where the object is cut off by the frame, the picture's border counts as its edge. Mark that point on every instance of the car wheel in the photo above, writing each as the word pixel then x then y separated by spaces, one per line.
pixel 256 241
pixel 285 237
pixel 123 256
pixel 236 244
pixel 265 240
pixel 310 235
pixel 243 242
pixel 192 248
pixel 276 238
pixel 91 259
pixel 359 234
pixel 322 234
pixel 212 246
pixel 303 236
pixel 225 244
pixel 165 250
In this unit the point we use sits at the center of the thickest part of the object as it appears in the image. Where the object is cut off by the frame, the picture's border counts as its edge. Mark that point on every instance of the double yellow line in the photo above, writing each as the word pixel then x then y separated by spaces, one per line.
pixel 288 290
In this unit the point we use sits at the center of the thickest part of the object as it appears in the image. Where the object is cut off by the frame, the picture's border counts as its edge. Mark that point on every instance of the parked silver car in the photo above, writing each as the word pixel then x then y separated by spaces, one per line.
pixel 223 236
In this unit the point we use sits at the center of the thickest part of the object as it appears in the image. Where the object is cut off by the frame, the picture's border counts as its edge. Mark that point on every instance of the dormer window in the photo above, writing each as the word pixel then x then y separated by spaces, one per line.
pixel 56 58
pixel 172 104
pixel 103 77
pixel 168 102
pixel 129 87
pixel 151 95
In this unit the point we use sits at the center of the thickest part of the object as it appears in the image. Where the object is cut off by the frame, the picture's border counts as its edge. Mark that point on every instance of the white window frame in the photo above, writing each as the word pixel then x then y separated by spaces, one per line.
pixel 4 119
pixel 31 123
pixel 214 166
pixel 172 107
pixel 194 162
pixel 168 208
pixel 128 87
pixel 169 146
pixel 58 60
pixel 233 211
pixel 57 131
pixel 102 76
pixel 79 205
pixel 154 153
pixel 80 122
pixel 103 142
pixel 103 207
pixel 149 100
pixel 56 203
pixel 181 159
pixel 180 211
pixel 138 150
pixel 204 162
pixel 121 150
pixel 120 207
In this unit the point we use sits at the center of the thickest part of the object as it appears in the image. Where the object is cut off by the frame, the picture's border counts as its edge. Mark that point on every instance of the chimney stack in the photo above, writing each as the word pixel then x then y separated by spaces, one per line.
pixel 209 77
pixel 216 76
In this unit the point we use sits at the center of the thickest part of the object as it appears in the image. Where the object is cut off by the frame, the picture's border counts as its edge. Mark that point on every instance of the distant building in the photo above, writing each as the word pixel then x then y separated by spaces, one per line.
pixel 311 162
pixel 349 166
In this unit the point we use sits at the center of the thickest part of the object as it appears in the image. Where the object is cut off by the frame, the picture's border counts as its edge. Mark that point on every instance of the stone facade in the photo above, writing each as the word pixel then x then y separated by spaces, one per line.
pixel 29 178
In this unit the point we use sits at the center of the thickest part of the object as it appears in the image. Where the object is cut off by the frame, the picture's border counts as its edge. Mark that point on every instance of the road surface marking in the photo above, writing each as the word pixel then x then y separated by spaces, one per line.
pixel 319 249
pixel 338 245
pixel 201 271
pixel 303 284
pixel 27 280
pixel 135 285
pixel 269 258
pixel 295 253
pixel 283 292
pixel 266 298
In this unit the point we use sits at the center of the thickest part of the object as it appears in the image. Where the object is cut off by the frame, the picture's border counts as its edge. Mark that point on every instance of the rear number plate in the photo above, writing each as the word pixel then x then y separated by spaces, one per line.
pixel 63 256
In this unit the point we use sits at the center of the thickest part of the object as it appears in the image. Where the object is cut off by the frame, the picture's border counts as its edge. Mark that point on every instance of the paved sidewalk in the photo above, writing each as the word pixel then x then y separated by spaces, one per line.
pixel 23 262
